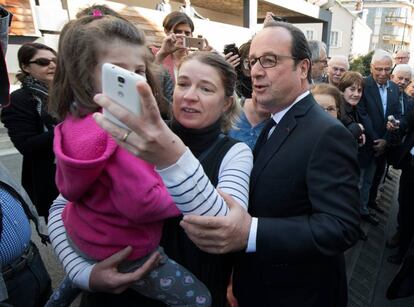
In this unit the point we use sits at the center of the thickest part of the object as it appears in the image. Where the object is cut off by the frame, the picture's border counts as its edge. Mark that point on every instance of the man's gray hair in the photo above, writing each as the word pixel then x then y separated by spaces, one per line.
pixel 402 68
pixel 315 48
pixel 340 58
pixel 381 54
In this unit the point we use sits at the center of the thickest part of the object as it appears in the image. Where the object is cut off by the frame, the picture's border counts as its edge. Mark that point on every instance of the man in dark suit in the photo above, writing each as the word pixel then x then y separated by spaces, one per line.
pixel 304 199
pixel 401 76
pixel 404 160
pixel 380 99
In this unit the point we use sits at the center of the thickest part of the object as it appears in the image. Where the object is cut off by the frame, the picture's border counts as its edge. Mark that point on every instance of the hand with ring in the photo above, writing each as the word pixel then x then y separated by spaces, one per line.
pixel 149 137
pixel 124 138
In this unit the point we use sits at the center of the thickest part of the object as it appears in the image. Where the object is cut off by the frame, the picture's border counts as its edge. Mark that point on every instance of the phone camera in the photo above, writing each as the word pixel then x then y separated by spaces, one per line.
pixel 121 80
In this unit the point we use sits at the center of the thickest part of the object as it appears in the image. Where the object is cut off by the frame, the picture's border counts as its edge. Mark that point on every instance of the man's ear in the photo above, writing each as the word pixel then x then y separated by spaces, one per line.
pixel 304 66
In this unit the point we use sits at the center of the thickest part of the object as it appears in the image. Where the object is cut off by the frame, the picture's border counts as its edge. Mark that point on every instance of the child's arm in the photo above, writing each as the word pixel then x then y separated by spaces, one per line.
pixel 193 192
pixel 77 268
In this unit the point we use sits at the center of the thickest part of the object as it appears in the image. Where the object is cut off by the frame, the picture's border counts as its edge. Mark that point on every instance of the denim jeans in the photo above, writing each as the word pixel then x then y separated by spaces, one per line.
pixel 30 287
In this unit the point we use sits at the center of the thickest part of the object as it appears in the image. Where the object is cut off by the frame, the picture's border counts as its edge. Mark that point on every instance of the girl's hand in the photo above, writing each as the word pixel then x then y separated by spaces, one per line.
pixel 149 138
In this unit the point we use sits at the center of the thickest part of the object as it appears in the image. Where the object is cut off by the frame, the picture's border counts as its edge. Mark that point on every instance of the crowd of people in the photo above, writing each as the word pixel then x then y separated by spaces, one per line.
pixel 242 181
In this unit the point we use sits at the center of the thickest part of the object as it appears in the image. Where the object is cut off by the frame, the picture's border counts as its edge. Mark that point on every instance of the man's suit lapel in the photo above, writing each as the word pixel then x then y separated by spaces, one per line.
pixel 283 129
pixel 374 92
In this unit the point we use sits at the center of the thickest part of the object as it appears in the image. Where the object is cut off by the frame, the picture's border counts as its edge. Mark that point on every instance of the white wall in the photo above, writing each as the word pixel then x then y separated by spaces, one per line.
pixel 362 36
pixel 342 21
pixel 355 35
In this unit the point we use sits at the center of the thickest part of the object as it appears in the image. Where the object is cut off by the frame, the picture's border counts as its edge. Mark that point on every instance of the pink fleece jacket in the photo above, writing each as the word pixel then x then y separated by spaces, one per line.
pixel 116 199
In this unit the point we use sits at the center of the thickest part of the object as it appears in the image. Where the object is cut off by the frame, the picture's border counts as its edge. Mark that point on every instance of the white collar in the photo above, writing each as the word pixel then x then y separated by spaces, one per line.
pixel 277 117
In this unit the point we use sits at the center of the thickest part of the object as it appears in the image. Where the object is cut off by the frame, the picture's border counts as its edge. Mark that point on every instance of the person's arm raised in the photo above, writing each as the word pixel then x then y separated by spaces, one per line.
pixel 182 173
pixel 150 138
pixel 170 44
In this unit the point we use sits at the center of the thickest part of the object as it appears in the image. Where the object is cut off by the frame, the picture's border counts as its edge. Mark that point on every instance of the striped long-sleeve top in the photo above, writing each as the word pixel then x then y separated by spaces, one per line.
pixel 189 187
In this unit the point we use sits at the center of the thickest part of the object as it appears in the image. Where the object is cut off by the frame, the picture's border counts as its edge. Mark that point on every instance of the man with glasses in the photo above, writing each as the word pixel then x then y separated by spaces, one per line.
pixel 337 66
pixel 303 207
pixel 402 57
pixel 319 60
pixel 380 99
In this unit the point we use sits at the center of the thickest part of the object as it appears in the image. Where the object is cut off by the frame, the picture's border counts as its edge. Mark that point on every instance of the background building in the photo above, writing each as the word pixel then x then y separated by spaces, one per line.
pixel 390 21
pixel 349 36
pixel 230 21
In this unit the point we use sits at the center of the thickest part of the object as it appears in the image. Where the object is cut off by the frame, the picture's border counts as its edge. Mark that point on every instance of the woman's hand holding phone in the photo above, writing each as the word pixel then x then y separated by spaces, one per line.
pixel 150 138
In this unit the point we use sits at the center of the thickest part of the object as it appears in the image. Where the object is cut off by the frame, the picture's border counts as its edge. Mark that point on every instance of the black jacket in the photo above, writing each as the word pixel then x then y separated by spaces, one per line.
pixel 32 134
pixel 304 192
pixel 371 113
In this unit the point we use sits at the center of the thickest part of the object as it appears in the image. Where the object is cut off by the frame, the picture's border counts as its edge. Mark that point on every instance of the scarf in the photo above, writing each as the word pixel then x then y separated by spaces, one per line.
pixel 40 94
pixel 198 140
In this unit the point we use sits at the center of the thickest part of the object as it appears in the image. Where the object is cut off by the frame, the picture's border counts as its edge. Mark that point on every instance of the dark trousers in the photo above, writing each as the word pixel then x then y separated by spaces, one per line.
pixel 379 174
pixel 30 286
pixel 406 212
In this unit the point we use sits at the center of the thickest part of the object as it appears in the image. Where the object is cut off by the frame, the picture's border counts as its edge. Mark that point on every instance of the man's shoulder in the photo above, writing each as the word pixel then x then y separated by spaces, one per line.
pixel 393 87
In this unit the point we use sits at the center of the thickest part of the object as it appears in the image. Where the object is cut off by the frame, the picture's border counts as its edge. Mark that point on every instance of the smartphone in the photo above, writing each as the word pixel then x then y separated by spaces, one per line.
pixel 277 18
pixel 193 42
pixel 231 48
pixel 119 84
pixel 394 121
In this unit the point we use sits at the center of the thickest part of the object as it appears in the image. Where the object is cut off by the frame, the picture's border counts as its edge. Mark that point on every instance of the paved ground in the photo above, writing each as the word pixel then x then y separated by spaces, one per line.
pixel 369 273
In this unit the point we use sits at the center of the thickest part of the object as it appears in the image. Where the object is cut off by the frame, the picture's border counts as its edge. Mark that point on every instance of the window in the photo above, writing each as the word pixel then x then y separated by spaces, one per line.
pixel 378 12
pixel 335 39
pixel 309 34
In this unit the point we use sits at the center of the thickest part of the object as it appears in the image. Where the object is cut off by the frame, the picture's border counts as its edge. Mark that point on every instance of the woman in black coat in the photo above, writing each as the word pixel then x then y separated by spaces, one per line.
pixel 351 86
pixel 30 126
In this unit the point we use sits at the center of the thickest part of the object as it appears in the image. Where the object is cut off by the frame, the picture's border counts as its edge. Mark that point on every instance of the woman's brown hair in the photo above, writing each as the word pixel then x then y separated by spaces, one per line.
pixel 174 19
pixel 328 89
pixel 350 78
pixel 26 53
pixel 79 46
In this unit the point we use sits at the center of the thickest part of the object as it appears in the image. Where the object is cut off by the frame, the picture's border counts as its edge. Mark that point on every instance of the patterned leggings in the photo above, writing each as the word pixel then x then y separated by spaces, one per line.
pixel 170 283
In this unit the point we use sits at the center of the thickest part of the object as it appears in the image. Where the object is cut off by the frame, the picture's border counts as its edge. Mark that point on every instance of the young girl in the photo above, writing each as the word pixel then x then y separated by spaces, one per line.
pixel 116 200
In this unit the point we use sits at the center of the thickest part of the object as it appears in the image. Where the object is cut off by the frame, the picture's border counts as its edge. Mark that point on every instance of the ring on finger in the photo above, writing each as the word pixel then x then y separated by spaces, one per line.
pixel 125 136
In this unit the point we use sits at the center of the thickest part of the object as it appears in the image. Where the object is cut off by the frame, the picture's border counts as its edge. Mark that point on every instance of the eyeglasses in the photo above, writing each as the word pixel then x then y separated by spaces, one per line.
pixel 266 61
pixel 43 61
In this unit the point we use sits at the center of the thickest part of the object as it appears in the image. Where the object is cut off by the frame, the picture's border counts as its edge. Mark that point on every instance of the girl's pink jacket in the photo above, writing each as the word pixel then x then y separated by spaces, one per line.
pixel 115 199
